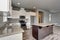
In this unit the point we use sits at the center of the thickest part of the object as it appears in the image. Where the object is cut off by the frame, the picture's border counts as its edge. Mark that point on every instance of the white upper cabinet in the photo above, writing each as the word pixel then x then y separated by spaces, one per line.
pixel 4 5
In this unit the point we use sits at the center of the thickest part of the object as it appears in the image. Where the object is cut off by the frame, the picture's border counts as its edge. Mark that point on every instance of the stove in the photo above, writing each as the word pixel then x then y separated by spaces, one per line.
pixel 23 22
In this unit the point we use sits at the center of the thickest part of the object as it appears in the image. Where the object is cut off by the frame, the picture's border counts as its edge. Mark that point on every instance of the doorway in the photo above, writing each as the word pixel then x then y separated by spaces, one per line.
pixel 40 17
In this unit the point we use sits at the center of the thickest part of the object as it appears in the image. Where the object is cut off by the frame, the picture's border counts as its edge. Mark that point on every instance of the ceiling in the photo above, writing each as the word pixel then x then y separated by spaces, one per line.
pixel 51 5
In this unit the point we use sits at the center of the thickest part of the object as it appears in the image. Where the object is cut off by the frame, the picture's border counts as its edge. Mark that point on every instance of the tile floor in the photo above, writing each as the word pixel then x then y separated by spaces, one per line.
pixel 54 36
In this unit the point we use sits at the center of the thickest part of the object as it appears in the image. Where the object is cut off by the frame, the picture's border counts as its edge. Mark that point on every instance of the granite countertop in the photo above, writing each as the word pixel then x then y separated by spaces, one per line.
pixel 15 31
pixel 44 24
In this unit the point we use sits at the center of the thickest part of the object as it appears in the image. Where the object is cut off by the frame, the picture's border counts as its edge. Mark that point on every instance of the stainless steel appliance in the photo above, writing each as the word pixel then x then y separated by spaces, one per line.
pixel 23 22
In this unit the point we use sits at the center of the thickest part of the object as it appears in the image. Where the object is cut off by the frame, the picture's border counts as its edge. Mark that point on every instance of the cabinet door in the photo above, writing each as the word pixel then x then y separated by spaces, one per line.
pixel 4 5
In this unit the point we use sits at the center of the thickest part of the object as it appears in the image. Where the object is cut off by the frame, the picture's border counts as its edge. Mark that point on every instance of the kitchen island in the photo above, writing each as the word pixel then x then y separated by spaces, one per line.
pixel 39 31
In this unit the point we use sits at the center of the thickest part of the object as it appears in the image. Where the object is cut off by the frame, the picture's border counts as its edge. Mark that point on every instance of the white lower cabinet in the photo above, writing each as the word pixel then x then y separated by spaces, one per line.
pixel 13 37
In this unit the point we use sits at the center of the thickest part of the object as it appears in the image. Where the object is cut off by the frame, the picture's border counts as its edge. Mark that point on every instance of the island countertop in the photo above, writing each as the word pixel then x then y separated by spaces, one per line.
pixel 44 24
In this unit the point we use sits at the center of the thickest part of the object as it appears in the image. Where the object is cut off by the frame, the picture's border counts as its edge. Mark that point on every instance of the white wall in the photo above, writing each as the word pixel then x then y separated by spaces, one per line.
pixel 4 5
pixel 46 17
pixel 56 18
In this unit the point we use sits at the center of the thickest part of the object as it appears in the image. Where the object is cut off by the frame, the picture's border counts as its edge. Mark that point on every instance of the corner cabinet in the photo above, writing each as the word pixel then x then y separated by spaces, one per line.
pixel 4 5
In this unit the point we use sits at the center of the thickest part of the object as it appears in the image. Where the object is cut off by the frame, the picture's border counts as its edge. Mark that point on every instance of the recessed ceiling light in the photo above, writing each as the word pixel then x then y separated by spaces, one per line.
pixel 18 3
